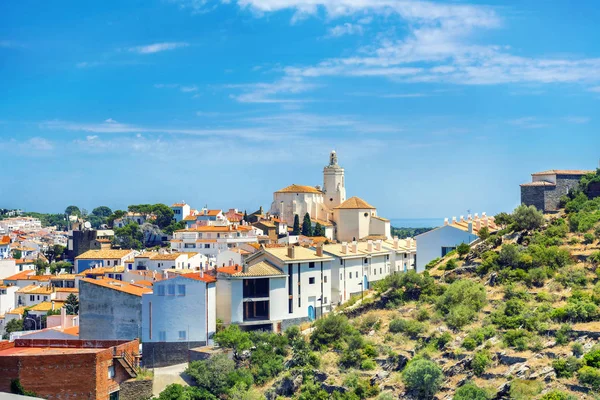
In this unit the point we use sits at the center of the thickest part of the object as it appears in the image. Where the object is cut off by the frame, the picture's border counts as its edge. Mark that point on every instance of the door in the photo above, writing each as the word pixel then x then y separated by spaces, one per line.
pixel 311 313
pixel 365 283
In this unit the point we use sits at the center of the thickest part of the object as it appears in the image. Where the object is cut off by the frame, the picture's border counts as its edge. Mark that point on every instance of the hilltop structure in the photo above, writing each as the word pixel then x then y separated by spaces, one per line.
pixel 546 188
pixel 348 219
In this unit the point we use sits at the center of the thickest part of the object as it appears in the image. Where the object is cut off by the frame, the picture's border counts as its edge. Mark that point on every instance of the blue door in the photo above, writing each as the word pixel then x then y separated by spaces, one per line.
pixel 311 313
pixel 365 283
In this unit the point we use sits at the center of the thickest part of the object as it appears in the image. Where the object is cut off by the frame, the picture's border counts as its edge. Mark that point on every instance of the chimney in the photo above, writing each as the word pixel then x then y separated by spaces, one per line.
pixel 370 246
pixel 231 262
pixel 245 268
pixel 201 273
pixel 445 221
pixel 320 251
pixel 354 246
pixel 478 224
pixel 378 245
pixel 344 247
pixel 63 317
pixel 453 220
pixel 462 218
pixel 396 239
pixel 291 252
pixel 476 216
pixel 469 217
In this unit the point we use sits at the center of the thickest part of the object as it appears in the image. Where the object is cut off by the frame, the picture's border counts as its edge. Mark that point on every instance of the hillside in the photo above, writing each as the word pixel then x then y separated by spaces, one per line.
pixel 516 316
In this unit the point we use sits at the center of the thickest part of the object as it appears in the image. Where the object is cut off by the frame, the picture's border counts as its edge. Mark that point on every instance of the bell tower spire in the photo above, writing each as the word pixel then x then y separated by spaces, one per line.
pixel 333 182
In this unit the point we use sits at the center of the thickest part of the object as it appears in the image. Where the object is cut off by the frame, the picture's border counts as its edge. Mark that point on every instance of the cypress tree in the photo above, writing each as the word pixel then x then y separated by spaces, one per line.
pixel 319 231
pixel 307 225
pixel 296 229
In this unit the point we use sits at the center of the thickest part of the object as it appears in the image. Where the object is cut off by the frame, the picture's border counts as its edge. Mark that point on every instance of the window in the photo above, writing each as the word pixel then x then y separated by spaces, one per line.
pixel 374 271
pixel 182 335
pixel 446 250
pixel 341 262
pixel 325 300
pixel 161 290
pixel 311 265
pixel 207 246
pixel 387 257
pixel 341 277
pixel 190 245
pixel 31 298
pixel 162 336
pixel 356 274
pixel 171 290
pixel 366 260
pixel 311 281
pixel 381 270
pixel 111 372
pixel 181 290
pixel 405 255
pixel 325 279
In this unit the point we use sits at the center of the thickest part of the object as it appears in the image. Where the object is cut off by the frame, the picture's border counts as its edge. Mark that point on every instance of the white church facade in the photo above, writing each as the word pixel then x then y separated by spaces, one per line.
pixel 352 219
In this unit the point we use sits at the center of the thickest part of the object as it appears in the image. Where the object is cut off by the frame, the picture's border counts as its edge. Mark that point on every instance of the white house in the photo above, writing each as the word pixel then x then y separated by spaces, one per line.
pixel 356 219
pixel 180 211
pixel 102 258
pixel 33 294
pixel 298 280
pixel 178 314
pixel 210 240
pixel 440 241
pixel 403 253
pixel 355 266
pixel 5 247
pixel 7 297
pixel 153 261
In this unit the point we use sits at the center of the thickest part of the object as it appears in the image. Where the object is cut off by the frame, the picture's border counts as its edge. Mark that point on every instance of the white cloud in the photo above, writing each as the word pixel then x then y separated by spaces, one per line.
pixel 528 123
pixel 271 92
pixel 577 120
pixel 157 47
pixel 39 144
pixel 110 121
pixel 403 95
pixel 595 89
pixel 182 88
pixel 345 29
pixel 188 89
pixel 87 64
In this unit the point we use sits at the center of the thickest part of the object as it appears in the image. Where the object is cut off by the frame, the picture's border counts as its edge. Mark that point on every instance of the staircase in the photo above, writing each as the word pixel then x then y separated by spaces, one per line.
pixel 127 361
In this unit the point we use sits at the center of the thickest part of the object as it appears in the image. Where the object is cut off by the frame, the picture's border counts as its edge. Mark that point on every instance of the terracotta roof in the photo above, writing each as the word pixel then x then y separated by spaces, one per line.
pixel 47 305
pixel 61 277
pixel 196 276
pixel 321 222
pixel 118 269
pixel 299 189
pixel 178 205
pixel 145 283
pixel 262 268
pixel 190 218
pixel 4 240
pixel 354 203
pixel 35 289
pixel 538 183
pixel 103 254
pixel 217 229
pixel 66 290
pixel 21 261
pixel 564 172
pixel 172 256
pixel 18 310
pixel 21 276
pixel 74 331
pixel 380 218
pixel 119 286
pixel 212 213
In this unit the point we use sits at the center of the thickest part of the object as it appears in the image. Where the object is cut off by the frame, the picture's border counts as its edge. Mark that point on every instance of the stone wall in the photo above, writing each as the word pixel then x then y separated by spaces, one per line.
pixel 162 354
pixel 136 390
pixel 564 184
pixel 533 196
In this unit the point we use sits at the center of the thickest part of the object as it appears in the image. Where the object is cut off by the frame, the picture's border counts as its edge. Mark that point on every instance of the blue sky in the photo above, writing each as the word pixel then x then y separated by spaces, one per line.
pixel 434 107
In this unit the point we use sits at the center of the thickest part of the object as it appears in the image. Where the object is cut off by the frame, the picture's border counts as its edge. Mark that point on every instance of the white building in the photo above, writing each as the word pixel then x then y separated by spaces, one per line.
pixel 403 254
pixel 355 266
pixel 153 261
pixel 441 241
pixel 7 297
pixel 344 219
pixel 102 258
pixel 180 211
pixel 138 218
pixel 181 310
pixel 33 294
pixel 280 286
pixel 210 240
pixel 5 247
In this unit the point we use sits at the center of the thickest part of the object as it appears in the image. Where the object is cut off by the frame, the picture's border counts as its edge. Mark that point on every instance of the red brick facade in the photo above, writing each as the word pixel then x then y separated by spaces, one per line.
pixel 64 369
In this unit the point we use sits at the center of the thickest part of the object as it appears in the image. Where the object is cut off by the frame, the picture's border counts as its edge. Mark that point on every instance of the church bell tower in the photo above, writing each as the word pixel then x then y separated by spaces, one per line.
pixel 333 183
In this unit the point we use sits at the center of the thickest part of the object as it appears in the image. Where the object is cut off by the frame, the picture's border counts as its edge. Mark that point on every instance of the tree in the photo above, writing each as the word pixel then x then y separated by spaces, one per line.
pixel 115 215
pixel 234 338
pixel 527 217
pixel 72 304
pixel 14 325
pixel 463 249
pixel 319 231
pixel 40 266
pixel 17 254
pixel 212 374
pixel 484 233
pixel 471 391
pixel 503 219
pixel 176 391
pixel 102 212
pixel 129 237
pixel 54 252
pixel 296 229
pixel 423 377
pixel 307 225
pixel 73 210
pixel 164 215
pixel 245 217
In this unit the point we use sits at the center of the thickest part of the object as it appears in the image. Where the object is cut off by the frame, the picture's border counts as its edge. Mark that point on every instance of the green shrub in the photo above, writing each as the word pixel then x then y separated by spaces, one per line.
pixel 409 327
pixel 594 258
pixel 422 314
pixel 450 265
pixel 516 338
pixel 330 331
pixel 470 391
pixel 564 334
pixel 463 249
pixel 369 322
pixel 565 368
pixel 461 301
pixel 423 377
pixel 432 263
pixel 558 395
pixel 577 349
pixel 368 365
pixel 590 377
pixel 527 218
pixel 481 361
pixel 478 336
pixel 572 278
pixel 212 374
pixel 361 387
pixel 588 238
pixel 592 358
pixel 509 256
pixel 524 390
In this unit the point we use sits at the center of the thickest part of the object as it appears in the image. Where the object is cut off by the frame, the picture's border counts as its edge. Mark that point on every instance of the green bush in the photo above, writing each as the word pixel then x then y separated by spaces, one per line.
pixel 463 249
pixel 409 327
pixel 527 218
pixel 588 238
pixel 470 391
pixel 423 377
pixel 590 377
pixel 450 265
pixel 368 365
pixel 478 336
pixel 368 323
pixel 564 334
pixel 565 368
pixel 212 374
pixel 577 349
pixel 524 390
pixel 461 301
pixel 558 395
pixel 592 358
pixel 330 331
pixel 509 256
pixel 594 258
pixel 422 314
pixel 516 338
pixel 481 361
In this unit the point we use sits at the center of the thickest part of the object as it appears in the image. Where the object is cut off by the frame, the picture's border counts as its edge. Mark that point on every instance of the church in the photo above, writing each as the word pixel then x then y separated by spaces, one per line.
pixel 344 219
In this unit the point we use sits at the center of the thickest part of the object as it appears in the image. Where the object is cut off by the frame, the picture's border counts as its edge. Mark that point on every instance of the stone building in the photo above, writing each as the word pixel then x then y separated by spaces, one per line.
pixel 546 188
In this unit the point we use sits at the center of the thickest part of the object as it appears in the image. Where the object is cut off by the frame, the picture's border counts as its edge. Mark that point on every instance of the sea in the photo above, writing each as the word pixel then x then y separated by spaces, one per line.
pixel 416 222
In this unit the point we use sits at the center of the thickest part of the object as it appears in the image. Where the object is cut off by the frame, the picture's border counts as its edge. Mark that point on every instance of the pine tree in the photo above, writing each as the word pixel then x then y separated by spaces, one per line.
pixel 245 218
pixel 319 231
pixel 296 230
pixel 72 304
pixel 307 225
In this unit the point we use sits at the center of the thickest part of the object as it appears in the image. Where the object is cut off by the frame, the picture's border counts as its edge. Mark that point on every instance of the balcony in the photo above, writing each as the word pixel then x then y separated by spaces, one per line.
pixel 256 289
pixel 256 311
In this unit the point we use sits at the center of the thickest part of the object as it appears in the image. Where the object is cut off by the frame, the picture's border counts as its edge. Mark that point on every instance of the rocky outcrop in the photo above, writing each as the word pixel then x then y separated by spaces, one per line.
pixel 505 359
